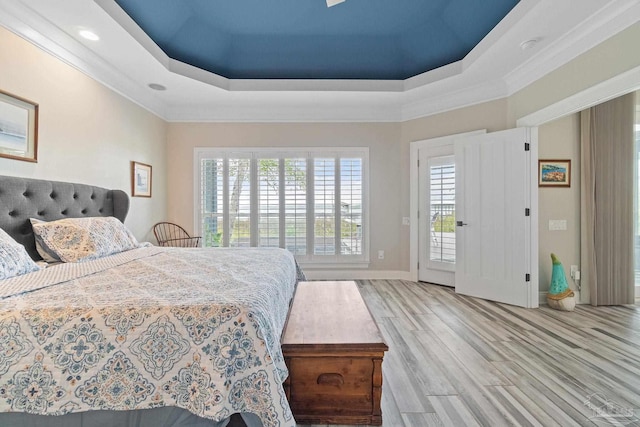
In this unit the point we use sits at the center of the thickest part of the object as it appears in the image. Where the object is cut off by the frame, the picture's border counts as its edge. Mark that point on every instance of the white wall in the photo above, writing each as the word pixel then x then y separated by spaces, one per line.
pixel 87 133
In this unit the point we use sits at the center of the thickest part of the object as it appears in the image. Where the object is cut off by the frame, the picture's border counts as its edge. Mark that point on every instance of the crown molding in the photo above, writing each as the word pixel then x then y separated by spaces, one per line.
pixel 30 25
pixel 451 98
pixel 612 18
pixel 333 107
pixel 197 95
pixel 602 92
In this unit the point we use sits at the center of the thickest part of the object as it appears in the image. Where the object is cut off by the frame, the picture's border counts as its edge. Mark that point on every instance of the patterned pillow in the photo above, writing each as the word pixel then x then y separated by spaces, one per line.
pixel 14 259
pixel 47 254
pixel 82 239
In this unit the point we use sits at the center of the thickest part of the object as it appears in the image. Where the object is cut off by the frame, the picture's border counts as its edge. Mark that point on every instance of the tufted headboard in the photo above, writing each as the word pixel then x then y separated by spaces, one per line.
pixel 24 198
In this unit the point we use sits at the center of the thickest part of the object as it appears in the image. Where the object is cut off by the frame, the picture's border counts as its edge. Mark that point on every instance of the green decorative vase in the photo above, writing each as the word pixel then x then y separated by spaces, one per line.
pixel 560 296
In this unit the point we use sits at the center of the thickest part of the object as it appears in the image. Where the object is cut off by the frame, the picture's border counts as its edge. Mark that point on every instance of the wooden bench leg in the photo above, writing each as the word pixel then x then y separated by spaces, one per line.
pixel 376 418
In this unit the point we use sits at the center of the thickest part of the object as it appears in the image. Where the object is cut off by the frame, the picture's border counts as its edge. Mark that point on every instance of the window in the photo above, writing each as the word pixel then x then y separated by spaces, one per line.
pixel 442 182
pixel 310 202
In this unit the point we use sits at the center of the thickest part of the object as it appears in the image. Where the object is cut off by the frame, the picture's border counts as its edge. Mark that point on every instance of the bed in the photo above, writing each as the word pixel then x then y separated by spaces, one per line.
pixel 147 336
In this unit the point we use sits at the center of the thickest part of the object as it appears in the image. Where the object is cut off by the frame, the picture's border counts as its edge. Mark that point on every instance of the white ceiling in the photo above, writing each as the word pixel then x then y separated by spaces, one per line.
pixel 126 60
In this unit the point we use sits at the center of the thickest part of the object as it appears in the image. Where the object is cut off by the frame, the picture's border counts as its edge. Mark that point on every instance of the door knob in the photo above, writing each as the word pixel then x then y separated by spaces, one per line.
pixel 461 224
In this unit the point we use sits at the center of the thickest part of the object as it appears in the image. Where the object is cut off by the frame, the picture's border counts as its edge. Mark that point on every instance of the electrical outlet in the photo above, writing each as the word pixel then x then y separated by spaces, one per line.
pixel 573 270
pixel 380 254
pixel 557 224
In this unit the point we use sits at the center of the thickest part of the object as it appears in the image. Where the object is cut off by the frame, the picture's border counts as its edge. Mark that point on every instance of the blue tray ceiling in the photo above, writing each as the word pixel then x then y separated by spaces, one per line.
pixel 303 39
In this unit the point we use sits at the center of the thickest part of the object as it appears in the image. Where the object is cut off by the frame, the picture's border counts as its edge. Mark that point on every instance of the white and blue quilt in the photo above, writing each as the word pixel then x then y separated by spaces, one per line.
pixel 194 328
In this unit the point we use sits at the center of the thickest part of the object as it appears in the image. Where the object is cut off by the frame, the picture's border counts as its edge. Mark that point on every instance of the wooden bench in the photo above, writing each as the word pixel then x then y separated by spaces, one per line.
pixel 333 350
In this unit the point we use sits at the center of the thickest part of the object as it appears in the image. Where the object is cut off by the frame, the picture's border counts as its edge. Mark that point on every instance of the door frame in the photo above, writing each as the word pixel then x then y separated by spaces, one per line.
pixel 414 186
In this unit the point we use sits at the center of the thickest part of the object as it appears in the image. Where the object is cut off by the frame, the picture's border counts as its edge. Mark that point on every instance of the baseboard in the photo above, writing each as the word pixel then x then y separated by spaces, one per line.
pixel 356 274
pixel 542 298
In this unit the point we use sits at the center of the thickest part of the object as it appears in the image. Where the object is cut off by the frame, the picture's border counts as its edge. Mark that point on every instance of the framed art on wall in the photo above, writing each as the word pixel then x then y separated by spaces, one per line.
pixel 554 173
pixel 18 128
pixel 140 179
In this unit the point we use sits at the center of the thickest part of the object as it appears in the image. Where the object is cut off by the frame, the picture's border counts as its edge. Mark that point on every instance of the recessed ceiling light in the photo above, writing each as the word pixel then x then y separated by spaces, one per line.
pixel 528 44
pixel 89 35
pixel 156 86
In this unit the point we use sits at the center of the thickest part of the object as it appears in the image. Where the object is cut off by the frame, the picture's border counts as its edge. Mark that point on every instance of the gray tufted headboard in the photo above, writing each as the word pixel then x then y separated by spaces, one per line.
pixel 24 198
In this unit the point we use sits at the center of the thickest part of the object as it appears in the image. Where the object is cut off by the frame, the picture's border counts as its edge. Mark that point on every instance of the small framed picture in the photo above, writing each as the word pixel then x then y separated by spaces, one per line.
pixel 18 128
pixel 140 179
pixel 554 173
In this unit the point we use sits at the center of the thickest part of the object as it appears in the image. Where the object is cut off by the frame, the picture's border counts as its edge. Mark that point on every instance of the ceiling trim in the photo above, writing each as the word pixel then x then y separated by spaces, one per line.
pixel 31 26
pixel 288 114
pixel 454 86
pixel 454 99
pixel 597 94
pixel 600 26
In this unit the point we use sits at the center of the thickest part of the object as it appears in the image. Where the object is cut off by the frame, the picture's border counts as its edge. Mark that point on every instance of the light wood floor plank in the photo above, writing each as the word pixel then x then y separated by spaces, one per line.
pixel 452 411
pixel 461 361
pixel 560 411
pixel 421 420
pixel 483 370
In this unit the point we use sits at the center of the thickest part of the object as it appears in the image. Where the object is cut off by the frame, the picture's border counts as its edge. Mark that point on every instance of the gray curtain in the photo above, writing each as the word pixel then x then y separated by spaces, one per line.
pixel 607 165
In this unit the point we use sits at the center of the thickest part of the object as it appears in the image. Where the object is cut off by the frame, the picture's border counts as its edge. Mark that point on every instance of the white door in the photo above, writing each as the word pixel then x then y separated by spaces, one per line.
pixel 437 197
pixel 496 230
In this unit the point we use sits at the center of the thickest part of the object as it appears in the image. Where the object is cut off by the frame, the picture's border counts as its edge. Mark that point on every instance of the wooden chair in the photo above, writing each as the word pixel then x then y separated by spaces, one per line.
pixel 170 234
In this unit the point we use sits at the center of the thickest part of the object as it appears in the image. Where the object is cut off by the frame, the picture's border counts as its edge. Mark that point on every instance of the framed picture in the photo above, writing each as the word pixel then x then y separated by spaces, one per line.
pixel 554 173
pixel 140 180
pixel 18 128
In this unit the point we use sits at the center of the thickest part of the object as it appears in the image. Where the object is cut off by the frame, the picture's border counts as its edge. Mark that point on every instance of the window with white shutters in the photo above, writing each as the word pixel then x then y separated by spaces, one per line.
pixel 311 202
pixel 443 209
pixel 295 205
pixel 239 202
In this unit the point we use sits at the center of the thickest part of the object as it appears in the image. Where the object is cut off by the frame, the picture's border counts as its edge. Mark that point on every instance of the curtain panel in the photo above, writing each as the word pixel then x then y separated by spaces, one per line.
pixel 607 165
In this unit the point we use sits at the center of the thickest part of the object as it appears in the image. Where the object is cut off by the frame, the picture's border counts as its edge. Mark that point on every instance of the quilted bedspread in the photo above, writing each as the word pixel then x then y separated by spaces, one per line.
pixel 194 328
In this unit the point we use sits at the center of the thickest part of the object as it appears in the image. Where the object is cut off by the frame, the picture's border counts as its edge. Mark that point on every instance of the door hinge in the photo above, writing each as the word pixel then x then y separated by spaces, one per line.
pixel 527 212
pixel 418 162
pixel 526 146
pixel 527 277
pixel 418 266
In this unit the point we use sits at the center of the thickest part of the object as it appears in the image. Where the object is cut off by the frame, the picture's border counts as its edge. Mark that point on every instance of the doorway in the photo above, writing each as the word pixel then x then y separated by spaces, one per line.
pixel 476 214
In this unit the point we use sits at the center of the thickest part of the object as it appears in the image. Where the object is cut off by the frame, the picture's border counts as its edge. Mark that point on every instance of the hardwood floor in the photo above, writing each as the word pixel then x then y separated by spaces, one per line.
pixel 462 361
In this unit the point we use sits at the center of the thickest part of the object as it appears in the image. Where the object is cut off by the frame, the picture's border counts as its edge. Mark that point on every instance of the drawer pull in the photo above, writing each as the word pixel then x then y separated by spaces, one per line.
pixel 330 379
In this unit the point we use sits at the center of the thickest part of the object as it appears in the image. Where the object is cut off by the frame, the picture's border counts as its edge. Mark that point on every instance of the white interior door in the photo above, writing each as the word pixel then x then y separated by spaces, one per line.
pixel 437 197
pixel 495 214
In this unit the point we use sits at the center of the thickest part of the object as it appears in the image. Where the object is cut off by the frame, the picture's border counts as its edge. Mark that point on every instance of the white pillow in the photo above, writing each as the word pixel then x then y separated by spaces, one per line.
pixel 14 259
pixel 82 239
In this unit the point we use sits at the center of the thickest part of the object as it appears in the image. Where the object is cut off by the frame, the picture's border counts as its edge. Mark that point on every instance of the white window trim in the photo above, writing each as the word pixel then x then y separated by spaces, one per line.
pixel 311 260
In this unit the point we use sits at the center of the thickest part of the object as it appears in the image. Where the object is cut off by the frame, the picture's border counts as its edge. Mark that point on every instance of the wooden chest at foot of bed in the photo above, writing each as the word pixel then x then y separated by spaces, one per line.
pixel 333 350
